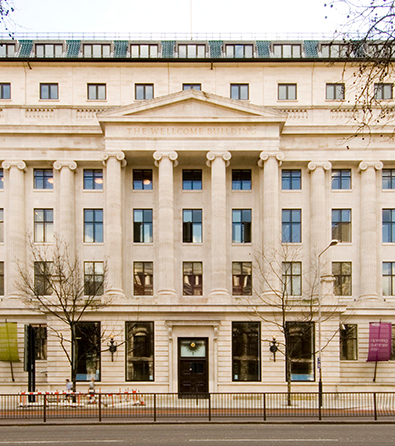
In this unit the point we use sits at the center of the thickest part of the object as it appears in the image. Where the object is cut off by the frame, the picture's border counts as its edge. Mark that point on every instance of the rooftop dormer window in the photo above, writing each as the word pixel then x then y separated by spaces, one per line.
pixel 287 50
pixel 191 51
pixel 97 50
pixel 49 50
pixel 239 51
pixel 337 50
pixel 143 50
pixel 7 50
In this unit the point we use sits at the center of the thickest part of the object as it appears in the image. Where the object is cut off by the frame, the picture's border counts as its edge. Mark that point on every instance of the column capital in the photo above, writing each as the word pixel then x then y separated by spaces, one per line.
pixel 264 156
pixel 313 165
pixel 72 165
pixel 159 155
pixel 21 165
pixel 119 156
pixel 364 165
pixel 225 155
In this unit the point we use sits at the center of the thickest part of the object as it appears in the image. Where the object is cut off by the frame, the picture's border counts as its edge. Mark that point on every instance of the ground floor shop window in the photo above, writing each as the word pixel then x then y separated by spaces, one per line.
pixel 300 351
pixel 87 350
pixel 246 351
pixel 348 342
pixel 139 351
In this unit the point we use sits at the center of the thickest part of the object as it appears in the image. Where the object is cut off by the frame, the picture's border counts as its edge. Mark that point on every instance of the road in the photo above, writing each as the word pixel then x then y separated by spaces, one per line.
pixel 199 435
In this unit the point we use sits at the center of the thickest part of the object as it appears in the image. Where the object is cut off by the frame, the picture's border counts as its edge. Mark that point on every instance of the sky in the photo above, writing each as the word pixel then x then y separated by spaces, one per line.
pixel 272 17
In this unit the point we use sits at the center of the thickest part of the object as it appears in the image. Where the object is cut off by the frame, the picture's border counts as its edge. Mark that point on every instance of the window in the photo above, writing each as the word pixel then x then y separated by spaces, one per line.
pixel 5 91
pixel 49 50
pixel 341 225
pixel 191 51
pixel 43 179
pixel 93 179
pixel 93 225
pixel 287 92
pixel 193 278
pixel 142 179
pixel 42 278
pixel 139 351
pixel 342 273
pixel 246 351
pixel 143 278
pixel 239 51
pixel 291 180
pixel 388 225
pixel 191 179
pixel 144 91
pixel 383 91
pixel 43 225
pixel 88 351
pixel 1 179
pixel 241 278
pixel 93 278
pixel 7 50
pixel 388 178
pixel 97 50
pixel 192 226
pixel 97 92
pixel 241 179
pixel 241 225
pixel 337 50
pixel 40 338
pixel 142 225
pixel 49 91
pixel 341 179
pixel 291 226
pixel 1 278
pixel 143 50
pixel 292 278
pixel 335 92
pixel 388 278
pixel 287 50
pixel 348 342
pixel 239 91
pixel 192 86
pixel 300 350
pixel 1 225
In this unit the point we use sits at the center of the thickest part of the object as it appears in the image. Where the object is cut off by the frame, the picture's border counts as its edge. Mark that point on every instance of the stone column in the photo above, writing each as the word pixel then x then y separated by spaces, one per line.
pixel 15 237
pixel 165 161
pixel 114 161
pixel 66 196
pixel 370 236
pixel 219 222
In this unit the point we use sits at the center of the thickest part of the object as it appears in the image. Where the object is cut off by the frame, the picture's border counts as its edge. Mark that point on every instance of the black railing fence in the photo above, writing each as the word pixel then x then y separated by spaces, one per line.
pixel 207 406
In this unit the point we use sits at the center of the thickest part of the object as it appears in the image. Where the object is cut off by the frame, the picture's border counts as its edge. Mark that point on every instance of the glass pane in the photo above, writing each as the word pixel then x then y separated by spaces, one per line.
pixel 247 50
pixel 234 92
pixel 295 50
pixel 277 50
pixel 144 50
pixel 196 348
pixel 149 92
pixel 135 50
pixel 282 92
pixel 197 233
pixel 154 51
pixel 229 51
pixel 101 90
pixel 92 92
pixel 243 92
pixel 106 50
pixel 53 91
pixel 287 50
pixel 192 51
pixel 201 50
pixel 182 51
pixel 292 92
pixel 96 50
pixel 239 50
pixel 39 50
pixel 49 51
pixel 87 50
pixel 44 90
pixel 58 50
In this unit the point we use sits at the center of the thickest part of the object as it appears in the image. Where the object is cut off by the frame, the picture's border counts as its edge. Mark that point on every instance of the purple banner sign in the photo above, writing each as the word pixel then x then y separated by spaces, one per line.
pixel 379 341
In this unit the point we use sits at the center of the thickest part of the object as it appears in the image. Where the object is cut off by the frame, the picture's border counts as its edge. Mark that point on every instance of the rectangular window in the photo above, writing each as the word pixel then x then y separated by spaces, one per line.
pixel 291 179
pixel 40 337
pixel 49 91
pixel 287 92
pixel 93 278
pixel 239 91
pixel 241 225
pixel 341 179
pixel 337 50
pixel 287 50
pixel 142 225
pixel 383 91
pixel 193 278
pixel 139 351
pixel 1 225
pixel 239 50
pixel 292 278
pixel 143 273
pixel 42 278
pixel 191 51
pixel 241 179
pixel 143 50
pixel 49 50
pixel 93 179
pixel 388 278
pixel 192 226
pixel 388 178
pixel 142 179
pixel 93 225
pixel 300 351
pixel 43 225
pixel 7 50
pixel 144 92
pixel 1 278
pixel 241 278
pixel 388 225
pixel 88 350
pixel 335 92
pixel 5 91
pixel 1 179
pixel 97 50
pixel 43 179
pixel 348 342
pixel 192 86
pixel 291 225
pixel 192 179
pixel 342 273
pixel 246 351
pixel 341 225
pixel 97 92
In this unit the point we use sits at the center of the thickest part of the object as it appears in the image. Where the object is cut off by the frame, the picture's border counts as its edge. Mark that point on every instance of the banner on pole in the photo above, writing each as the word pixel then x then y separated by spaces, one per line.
pixel 379 341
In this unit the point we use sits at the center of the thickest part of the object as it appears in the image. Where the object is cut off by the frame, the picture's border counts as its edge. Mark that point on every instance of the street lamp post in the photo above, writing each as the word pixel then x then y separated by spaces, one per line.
pixel 319 359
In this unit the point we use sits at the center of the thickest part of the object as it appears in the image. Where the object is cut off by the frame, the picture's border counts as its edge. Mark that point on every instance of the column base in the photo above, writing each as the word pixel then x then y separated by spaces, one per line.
pixel 13 301
pixel 219 292
pixel 370 298
pixel 167 292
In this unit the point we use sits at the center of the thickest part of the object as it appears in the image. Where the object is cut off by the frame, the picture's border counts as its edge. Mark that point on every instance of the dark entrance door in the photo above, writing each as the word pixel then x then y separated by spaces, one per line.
pixel 192 366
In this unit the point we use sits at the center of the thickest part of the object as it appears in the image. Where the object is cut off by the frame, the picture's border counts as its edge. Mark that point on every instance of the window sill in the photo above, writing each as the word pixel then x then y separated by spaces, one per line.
pixel 49 100
pixel 287 100
pixel 293 191
pixel 241 243
pixel 386 191
pixel 143 244
pixel 243 191
pixel 292 243
pixel 344 243
pixel 343 191
pixel 43 190
pixel 95 191
pixel 142 190
pixel 192 244
pixel 5 100
pixel 93 243
pixel 192 190
pixel 43 243
pixel 96 100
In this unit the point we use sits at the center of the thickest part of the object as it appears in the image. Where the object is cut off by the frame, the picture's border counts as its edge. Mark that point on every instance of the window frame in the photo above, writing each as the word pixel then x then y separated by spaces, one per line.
pixel 93 278
pixel 389 289
pixel 96 224
pixel 244 333
pixel 141 56
pixel 303 357
pixel 43 178
pixel 388 226
pixel 53 93
pixel 288 88
pixel 96 88
pixel 197 54
pixel 342 176
pixel 149 328
pixel 242 226
pixel 145 96
pixel 232 50
pixel 383 91
pixel 192 228
pixel 3 89
pixel 296 50
pixel 239 89
pixel 83 343
pixel 195 179
pixel 241 278
pixel 49 50
pixel 348 337
pixel 95 179
pixel 292 278
pixel 92 46
pixel 146 179
pixel 336 90
pixel 295 179
pixel 42 285
pixel 186 87
pixel 7 48
pixel 40 337
pixel 343 281
pixel 143 228
pixel 147 271
pixel 241 179
pixel 192 283
pixel 341 227
pixel 388 175
pixel 43 228
pixel 293 225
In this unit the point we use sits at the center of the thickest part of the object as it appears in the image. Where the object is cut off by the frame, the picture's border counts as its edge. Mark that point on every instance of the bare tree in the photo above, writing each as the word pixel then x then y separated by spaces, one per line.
pixel 6 10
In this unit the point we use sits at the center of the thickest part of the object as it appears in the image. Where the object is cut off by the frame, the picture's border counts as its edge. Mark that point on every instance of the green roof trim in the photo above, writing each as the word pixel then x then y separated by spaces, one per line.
pixel 216 48
pixel 168 48
pixel 73 48
pixel 26 48
pixel 311 48
pixel 263 47
pixel 120 48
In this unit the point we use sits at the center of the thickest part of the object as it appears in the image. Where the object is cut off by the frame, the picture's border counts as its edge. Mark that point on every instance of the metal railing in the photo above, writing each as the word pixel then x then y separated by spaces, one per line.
pixel 209 406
